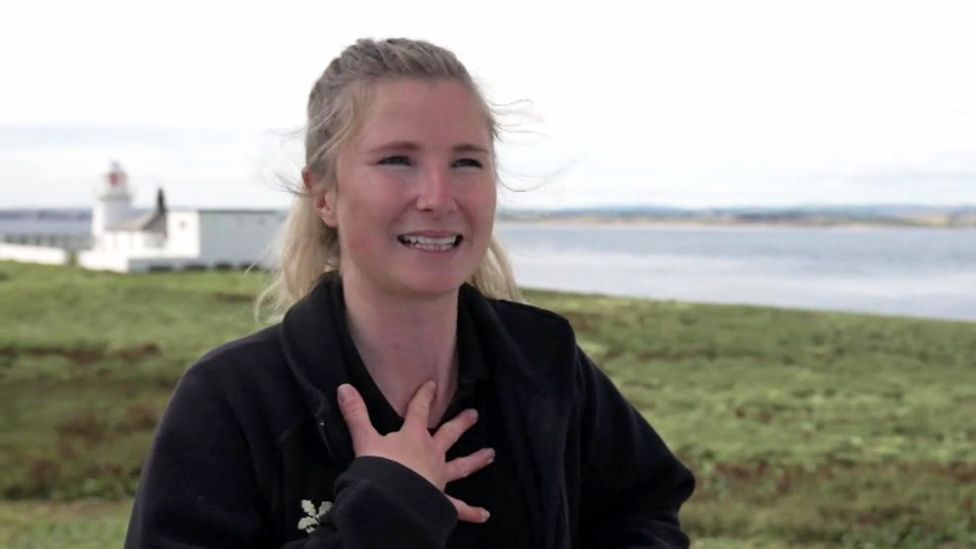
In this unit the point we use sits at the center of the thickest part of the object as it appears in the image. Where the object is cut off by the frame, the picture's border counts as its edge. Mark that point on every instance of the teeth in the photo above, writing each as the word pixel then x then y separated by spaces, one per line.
pixel 431 244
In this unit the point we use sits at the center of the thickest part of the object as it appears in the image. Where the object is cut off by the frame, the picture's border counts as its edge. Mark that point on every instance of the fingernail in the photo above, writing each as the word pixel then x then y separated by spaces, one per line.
pixel 473 413
pixel 491 455
pixel 485 514
pixel 345 392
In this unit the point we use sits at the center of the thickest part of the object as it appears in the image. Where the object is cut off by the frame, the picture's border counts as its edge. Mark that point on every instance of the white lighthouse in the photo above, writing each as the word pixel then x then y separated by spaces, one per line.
pixel 114 202
pixel 128 240
pixel 131 240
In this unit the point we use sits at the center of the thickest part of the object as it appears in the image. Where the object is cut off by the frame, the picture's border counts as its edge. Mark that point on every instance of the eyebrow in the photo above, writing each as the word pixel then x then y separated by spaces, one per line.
pixel 411 146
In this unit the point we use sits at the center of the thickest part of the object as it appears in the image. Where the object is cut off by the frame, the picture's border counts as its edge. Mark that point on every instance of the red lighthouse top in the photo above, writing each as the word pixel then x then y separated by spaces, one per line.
pixel 116 184
pixel 116 177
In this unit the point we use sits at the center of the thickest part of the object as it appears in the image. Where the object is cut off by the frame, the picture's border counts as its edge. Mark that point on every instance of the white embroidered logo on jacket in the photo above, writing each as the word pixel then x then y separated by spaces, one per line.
pixel 311 522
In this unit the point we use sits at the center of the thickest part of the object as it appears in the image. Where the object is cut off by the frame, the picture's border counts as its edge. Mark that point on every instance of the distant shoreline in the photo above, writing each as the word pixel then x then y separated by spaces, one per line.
pixel 915 217
pixel 725 224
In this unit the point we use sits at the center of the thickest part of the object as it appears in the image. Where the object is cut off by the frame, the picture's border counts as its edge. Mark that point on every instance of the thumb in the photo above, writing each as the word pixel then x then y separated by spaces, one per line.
pixel 356 416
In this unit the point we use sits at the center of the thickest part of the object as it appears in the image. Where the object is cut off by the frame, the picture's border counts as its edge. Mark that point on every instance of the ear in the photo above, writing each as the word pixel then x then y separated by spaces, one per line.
pixel 323 200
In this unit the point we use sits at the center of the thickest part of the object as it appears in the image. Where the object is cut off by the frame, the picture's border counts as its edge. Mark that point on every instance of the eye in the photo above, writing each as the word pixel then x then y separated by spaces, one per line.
pixel 467 163
pixel 396 160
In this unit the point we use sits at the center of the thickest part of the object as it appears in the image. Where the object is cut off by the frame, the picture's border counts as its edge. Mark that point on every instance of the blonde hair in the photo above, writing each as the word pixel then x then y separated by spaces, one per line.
pixel 336 107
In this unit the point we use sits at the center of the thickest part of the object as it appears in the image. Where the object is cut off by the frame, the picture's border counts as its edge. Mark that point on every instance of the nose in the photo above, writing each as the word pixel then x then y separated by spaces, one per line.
pixel 436 192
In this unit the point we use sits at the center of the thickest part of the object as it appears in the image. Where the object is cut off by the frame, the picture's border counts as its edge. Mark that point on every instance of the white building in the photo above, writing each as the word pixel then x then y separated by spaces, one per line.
pixel 125 240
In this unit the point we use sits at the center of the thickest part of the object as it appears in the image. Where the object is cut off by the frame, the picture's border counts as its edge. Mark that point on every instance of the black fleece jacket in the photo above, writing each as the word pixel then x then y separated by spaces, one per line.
pixel 253 451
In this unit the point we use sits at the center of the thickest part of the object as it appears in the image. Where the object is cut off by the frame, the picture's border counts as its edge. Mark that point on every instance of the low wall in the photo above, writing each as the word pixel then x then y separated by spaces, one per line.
pixel 33 254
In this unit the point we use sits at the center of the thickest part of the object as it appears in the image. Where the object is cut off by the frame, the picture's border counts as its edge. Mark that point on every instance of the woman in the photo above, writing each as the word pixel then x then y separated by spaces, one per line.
pixel 406 399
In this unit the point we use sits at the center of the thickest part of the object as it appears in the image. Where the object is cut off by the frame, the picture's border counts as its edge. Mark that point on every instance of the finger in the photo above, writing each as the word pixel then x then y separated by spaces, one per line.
pixel 450 432
pixel 464 466
pixel 418 411
pixel 468 513
pixel 356 415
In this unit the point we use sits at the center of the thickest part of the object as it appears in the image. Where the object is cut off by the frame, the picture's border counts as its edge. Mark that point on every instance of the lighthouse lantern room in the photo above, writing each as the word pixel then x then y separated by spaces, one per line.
pixel 114 201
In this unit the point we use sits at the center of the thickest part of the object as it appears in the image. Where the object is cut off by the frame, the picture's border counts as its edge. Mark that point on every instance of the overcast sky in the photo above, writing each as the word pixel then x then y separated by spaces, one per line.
pixel 680 103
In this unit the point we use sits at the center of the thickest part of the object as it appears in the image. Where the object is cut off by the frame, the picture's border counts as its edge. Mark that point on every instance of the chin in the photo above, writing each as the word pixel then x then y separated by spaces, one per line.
pixel 435 288
pixel 433 284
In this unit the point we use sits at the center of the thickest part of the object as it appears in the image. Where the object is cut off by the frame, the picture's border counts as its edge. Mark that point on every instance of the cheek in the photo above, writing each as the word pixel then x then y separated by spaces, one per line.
pixel 484 205
pixel 364 220
pixel 357 230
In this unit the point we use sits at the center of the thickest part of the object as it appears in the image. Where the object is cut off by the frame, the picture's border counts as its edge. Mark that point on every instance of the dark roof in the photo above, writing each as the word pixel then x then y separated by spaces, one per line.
pixel 146 221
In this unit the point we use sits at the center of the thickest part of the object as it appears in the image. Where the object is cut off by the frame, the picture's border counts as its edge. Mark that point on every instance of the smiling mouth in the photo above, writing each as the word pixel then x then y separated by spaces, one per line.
pixel 430 244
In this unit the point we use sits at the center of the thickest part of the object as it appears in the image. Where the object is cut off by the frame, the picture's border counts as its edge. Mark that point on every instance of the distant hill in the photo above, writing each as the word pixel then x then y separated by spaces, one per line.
pixel 79 219
pixel 60 214
pixel 812 216
pixel 49 221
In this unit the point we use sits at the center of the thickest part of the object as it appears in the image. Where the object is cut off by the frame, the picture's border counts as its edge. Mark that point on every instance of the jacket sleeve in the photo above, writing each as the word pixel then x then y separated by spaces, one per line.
pixel 199 489
pixel 633 486
pixel 382 504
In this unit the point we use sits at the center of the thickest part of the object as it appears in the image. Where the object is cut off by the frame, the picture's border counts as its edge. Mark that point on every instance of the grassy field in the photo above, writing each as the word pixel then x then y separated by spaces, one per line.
pixel 804 429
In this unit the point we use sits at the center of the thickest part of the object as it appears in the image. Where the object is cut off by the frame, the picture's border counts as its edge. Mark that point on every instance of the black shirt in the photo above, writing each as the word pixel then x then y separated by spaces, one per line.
pixel 253 447
pixel 494 487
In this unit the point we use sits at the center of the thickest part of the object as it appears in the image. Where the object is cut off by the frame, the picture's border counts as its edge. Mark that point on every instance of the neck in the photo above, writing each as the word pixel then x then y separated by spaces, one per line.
pixel 405 341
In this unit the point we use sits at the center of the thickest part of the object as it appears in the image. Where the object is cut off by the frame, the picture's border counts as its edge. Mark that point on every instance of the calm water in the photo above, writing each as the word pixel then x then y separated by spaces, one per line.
pixel 892 271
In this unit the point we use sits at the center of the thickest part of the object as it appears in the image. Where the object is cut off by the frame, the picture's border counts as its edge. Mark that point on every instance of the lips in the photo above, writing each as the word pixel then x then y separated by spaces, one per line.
pixel 431 243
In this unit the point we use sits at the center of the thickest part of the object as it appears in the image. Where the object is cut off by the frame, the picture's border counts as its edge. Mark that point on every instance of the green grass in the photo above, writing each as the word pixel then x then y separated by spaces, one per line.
pixel 83 524
pixel 804 429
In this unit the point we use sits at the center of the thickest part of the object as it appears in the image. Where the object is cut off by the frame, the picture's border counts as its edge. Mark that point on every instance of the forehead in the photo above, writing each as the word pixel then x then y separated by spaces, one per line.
pixel 434 112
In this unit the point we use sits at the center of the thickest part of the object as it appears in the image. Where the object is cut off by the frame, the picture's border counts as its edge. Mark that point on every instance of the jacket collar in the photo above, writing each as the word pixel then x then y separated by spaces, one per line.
pixel 313 352
pixel 313 348
pixel 505 356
